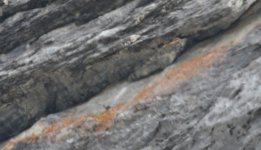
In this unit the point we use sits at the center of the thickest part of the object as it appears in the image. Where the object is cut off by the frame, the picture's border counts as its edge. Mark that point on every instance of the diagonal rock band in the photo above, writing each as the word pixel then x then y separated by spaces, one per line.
pixel 58 54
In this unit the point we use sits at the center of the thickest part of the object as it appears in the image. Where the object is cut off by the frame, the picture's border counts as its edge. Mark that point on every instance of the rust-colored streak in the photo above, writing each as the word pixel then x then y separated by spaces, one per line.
pixel 171 78
pixel 174 41
pixel 168 80
pixel 61 124
pixel 175 75
pixel 102 119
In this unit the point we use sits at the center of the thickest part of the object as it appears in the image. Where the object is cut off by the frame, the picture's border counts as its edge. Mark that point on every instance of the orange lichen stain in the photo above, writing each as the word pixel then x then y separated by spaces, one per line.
pixel 174 76
pixel 174 41
pixel 169 79
pixel 12 142
pixel 104 118
pixel 69 120
pixel 31 138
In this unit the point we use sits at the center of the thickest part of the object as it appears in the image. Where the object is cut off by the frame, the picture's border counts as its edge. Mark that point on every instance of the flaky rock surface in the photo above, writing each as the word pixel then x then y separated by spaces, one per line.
pixel 56 54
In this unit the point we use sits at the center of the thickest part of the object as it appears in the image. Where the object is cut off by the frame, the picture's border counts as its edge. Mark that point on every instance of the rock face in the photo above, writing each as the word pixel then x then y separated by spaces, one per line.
pixel 56 54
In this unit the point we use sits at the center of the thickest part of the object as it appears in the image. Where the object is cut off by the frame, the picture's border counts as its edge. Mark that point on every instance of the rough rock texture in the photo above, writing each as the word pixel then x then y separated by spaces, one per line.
pixel 56 54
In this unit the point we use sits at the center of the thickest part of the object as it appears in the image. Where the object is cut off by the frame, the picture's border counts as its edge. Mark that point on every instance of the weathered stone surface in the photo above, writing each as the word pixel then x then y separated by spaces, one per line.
pixel 209 99
pixel 56 54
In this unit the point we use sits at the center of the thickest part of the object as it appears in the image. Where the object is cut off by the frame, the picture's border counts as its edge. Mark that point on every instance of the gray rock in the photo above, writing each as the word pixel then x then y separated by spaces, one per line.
pixel 209 99
pixel 56 54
